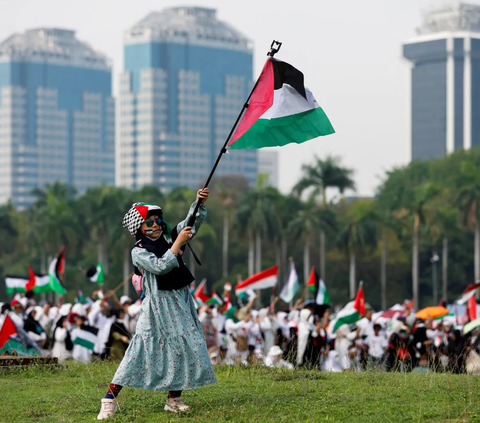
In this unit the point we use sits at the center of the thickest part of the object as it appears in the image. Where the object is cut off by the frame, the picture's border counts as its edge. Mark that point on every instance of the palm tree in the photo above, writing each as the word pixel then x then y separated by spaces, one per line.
pixel 227 189
pixel 256 213
pixel 358 232
pixel 468 199
pixel 302 227
pixel 8 230
pixel 319 177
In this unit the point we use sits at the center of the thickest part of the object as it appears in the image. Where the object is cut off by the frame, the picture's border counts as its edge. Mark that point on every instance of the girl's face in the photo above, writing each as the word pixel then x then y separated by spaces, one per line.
pixel 150 227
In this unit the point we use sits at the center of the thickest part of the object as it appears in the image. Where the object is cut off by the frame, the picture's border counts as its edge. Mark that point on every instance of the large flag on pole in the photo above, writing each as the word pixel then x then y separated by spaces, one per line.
pixel 56 273
pixel 291 286
pixel 262 280
pixel 281 111
pixel 352 312
pixel 470 291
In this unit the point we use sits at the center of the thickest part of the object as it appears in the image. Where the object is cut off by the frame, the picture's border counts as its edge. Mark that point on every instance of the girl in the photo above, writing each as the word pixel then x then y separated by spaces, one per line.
pixel 168 351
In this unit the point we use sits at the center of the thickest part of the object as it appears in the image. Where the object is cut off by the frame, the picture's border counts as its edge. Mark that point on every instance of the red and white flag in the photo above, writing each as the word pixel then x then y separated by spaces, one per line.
pixel 469 292
pixel 265 279
pixel 8 329
pixel 472 308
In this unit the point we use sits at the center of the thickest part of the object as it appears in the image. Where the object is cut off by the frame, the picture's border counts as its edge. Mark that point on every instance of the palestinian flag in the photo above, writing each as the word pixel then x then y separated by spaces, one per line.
pixel 322 297
pixel 352 312
pixel 291 286
pixel 312 280
pixel 216 299
pixel 95 274
pixel 262 280
pixel 281 111
pixel 19 283
pixel 56 273
pixel 8 329
pixel 469 292
pixel 85 336
pixel 472 308
pixel 200 293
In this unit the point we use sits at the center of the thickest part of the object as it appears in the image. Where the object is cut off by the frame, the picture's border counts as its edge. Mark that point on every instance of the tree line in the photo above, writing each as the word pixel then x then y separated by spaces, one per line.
pixel 417 237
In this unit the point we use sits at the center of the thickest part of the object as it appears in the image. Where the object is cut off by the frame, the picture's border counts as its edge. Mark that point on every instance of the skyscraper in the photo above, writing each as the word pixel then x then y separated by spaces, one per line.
pixel 186 77
pixel 268 164
pixel 445 81
pixel 57 115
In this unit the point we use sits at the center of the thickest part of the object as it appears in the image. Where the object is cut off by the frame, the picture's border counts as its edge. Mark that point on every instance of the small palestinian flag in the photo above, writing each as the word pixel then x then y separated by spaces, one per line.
pixel 216 300
pixel 200 293
pixel 312 280
pixel 281 111
pixel 7 330
pixel 352 312
pixel 85 336
pixel 19 283
pixel 291 286
pixel 95 274
pixel 322 297
pixel 56 273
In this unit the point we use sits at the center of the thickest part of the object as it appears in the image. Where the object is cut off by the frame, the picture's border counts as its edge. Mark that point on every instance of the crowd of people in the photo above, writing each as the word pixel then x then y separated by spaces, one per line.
pixel 243 335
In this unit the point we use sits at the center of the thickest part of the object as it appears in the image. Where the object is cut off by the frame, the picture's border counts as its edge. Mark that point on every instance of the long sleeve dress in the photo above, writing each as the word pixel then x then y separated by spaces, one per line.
pixel 168 351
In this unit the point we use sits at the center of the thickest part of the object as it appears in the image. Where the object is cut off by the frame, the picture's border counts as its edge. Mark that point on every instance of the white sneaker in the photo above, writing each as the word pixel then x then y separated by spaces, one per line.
pixel 109 408
pixel 175 405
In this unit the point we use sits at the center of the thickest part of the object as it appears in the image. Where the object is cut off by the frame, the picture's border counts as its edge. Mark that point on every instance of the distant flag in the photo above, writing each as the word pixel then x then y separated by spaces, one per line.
pixel 19 283
pixel 281 111
pixel 312 280
pixel 95 274
pixel 56 273
pixel 31 280
pixel 15 283
pixel 468 293
pixel 265 279
pixel 291 286
pixel 200 293
pixel 8 329
pixel 352 312
pixel 216 300
pixel 322 297
pixel 85 336
pixel 472 308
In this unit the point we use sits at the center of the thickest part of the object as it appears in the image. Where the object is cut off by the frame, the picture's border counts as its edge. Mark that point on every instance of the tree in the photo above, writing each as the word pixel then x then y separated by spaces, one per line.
pixel 468 200
pixel 228 189
pixel 318 178
pixel 358 231
pixel 8 230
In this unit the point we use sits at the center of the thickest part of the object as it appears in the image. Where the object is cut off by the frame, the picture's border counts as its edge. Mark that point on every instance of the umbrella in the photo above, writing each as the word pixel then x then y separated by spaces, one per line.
pixel 432 312
pixel 470 326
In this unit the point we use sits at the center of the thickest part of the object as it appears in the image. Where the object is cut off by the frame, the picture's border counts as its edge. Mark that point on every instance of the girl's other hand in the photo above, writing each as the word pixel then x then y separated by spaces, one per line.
pixel 184 235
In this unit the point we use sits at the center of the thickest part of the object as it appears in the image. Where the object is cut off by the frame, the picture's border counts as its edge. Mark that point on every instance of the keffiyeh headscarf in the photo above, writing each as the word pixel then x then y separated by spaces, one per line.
pixel 137 214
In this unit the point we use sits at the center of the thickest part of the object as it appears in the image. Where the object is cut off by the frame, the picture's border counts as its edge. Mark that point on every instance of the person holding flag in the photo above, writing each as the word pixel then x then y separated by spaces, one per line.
pixel 168 350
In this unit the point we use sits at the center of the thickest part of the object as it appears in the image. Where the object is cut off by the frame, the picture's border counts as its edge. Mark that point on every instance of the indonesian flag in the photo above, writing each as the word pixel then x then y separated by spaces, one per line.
pixel 281 111
pixel 200 293
pixel 8 329
pixel 262 280
pixel 56 273
pixel 352 312
pixel 469 292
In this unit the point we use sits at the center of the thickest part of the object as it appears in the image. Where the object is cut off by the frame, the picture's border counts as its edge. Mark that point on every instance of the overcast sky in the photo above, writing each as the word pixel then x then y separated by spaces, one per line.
pixel 349 51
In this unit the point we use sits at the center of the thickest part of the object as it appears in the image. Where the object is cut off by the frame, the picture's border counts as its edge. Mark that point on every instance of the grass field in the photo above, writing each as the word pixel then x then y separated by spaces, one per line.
pixel 73 393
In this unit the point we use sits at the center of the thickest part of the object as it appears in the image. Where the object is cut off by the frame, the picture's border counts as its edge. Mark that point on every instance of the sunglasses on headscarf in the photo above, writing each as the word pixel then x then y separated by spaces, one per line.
pixel 151 222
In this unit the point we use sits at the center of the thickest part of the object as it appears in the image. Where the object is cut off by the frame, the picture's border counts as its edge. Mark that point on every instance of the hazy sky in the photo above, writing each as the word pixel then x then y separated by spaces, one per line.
pixel 349 51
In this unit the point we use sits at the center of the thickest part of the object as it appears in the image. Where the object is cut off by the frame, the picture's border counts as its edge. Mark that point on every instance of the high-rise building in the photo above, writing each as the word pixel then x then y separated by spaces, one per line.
pixel 268 164
pixel 445 81
pixel 57 115
pixel 186 77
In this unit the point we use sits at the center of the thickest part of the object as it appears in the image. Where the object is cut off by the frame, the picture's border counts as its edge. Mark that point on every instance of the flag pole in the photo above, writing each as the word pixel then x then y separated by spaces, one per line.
pixel 274 48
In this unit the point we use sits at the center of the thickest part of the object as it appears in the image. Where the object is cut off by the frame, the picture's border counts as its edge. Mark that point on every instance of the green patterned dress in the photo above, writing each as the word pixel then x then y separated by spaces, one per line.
pixel 168 351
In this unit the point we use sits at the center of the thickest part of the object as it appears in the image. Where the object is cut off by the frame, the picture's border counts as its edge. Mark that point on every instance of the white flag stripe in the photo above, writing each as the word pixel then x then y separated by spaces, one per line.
pixel 291 287
pixel 15 282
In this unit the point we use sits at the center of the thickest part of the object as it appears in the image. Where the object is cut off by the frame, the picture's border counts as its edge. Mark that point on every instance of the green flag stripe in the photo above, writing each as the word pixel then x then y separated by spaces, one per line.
pixel 295 128
pixel 84 343
pixel 347 320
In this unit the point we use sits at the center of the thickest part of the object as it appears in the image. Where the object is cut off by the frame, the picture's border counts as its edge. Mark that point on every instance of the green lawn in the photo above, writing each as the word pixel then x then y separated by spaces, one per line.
pixel 73 393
